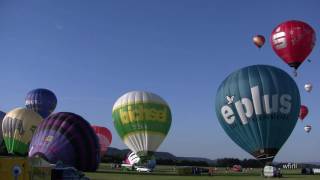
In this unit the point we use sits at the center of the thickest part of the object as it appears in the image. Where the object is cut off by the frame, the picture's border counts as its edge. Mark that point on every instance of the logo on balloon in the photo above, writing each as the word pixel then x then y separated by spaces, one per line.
pixel 279 40
pixel 259 105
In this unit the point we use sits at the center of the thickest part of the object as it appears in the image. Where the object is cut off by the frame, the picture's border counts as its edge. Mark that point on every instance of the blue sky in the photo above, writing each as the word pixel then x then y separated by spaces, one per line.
pixel 91 52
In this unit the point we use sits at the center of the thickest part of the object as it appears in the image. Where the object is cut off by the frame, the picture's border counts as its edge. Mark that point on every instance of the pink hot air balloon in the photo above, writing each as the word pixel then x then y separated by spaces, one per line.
pixel 105 137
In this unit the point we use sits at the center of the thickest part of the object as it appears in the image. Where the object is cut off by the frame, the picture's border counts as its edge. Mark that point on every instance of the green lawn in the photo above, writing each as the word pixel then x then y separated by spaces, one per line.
pixel 169 173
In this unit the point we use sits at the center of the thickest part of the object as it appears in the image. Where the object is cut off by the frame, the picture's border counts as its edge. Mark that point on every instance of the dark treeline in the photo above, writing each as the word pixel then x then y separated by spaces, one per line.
pixel 245 163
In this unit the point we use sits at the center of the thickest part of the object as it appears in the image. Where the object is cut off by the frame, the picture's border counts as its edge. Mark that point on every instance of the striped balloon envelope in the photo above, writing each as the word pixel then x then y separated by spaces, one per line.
pixel 142 120
pixel 68 138
pixel 42 101
pixel 105 137
pixel 18 127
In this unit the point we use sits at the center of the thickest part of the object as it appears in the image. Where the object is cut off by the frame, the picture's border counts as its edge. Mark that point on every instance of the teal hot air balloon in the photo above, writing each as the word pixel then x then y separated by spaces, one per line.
pixel 258 107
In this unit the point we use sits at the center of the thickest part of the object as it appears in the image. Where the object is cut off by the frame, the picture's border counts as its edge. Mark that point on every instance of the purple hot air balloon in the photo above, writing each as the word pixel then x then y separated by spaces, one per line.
pixel 66 137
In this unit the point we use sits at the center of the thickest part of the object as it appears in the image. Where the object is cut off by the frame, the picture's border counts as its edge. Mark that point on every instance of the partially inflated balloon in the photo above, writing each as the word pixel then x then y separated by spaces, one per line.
pixel 66 137
pixel 105 137
pixel 142 120
pixel 303 112
pixel 132 158
pixel 258 107
pixel 42 101
pixel 258 40
pixel 293 41
pixel 18 127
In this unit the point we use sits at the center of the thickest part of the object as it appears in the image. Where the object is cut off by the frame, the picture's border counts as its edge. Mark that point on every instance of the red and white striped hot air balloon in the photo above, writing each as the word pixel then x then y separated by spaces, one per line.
pixel 105 137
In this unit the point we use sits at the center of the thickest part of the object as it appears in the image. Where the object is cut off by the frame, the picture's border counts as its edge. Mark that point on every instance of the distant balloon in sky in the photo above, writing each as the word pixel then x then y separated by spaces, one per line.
pixel 66 137
pixel 258 107
pixel 142 120
pixel 3 149
pixel 303 112
pixel 18 127
pixel 293 41
pixel 42 101
pixel 258 40
pixel 308 87
pixel 307 128
pixel 105 137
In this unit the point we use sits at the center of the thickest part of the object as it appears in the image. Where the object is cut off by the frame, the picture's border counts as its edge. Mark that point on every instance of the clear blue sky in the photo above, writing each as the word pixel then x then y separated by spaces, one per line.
pixel 91 52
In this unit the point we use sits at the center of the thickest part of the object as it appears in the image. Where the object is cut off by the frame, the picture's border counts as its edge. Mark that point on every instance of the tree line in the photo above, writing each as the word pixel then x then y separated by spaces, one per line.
pixel 223 162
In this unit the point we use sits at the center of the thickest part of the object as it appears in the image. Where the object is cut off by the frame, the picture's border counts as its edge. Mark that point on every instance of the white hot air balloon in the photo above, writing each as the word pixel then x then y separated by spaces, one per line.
pixel 308 87
pixel 142 120
pixel 307 128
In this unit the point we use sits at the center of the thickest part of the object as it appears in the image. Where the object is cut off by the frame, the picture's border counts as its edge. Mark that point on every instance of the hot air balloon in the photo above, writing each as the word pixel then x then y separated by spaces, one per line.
pixel 142 120
pixel 308 87
pixel 258 107
pixel 258 40
pixel 303 112
pixel 293 41
pixel 3 149
pixel 68 138
pixel 42 101
pixel 105 137
pixel 132 158
pixel 307 128
pixel 18 127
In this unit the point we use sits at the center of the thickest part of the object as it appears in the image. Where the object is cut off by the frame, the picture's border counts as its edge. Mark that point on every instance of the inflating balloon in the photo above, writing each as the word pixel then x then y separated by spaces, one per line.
pixel 142 120
pixel 303 112
pixel 258 40
pixel 293 41
pixel 18 127
pixel 263 110
pixel 105 137
pixel 69 138
pixel 42 101
pixel 132 158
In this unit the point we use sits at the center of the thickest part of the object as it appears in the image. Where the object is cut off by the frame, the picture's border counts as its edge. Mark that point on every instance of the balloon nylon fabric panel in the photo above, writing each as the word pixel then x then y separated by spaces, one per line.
pixel 142 120
pixel 264 134
pixel 69 138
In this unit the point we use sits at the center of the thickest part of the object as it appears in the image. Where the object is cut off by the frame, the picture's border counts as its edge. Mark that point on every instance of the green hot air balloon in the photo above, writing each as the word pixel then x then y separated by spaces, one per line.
pixel 18 127
pixel 258 107
pixel 142 120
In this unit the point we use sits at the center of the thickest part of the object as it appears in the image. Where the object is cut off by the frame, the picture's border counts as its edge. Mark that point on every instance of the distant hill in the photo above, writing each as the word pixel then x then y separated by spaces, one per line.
pixel 168 156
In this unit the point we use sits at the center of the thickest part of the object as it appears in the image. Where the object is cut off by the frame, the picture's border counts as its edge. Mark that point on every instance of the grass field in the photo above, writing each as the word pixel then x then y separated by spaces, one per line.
pixel 169 173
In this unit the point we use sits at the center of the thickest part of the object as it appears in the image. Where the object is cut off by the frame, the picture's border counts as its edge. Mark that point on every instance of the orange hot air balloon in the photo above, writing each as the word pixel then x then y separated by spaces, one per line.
pixel 303 112
pixel 259 40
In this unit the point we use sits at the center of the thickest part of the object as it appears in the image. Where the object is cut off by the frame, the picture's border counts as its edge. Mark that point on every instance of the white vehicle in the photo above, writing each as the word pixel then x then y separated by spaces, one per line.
pixel 143 169
pixel 271 171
